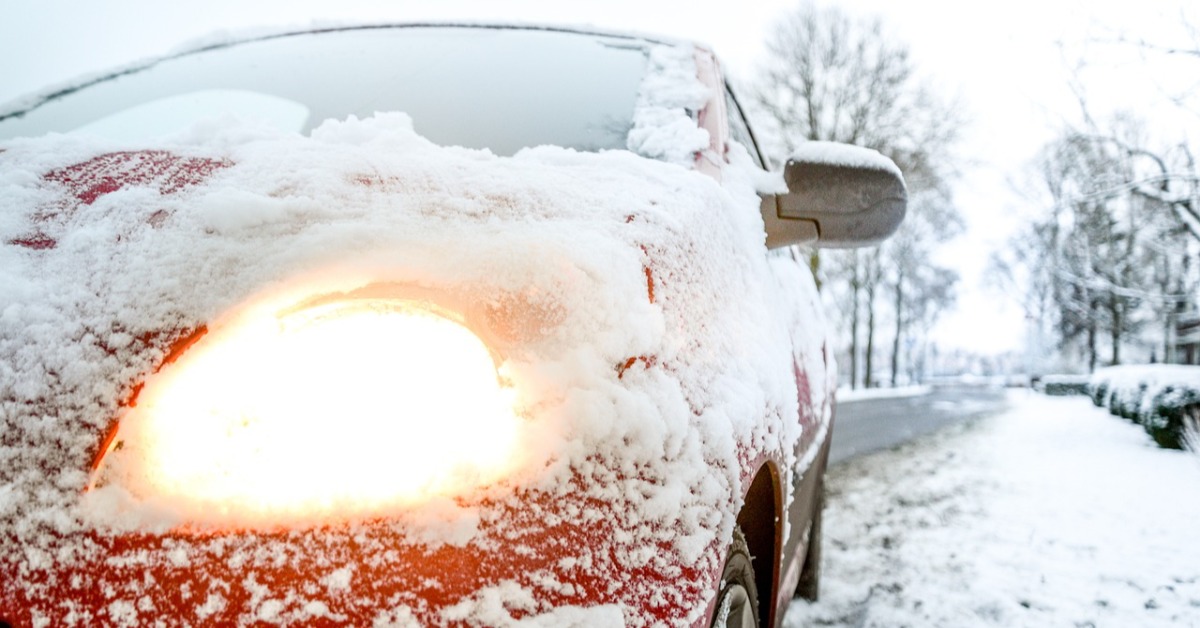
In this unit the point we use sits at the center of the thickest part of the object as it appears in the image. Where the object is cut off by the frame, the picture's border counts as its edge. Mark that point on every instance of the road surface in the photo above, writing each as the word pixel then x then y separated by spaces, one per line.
pixel 862 426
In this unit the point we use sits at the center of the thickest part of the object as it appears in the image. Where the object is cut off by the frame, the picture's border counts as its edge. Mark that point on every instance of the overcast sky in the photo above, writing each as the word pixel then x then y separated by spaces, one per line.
pixel 1008 63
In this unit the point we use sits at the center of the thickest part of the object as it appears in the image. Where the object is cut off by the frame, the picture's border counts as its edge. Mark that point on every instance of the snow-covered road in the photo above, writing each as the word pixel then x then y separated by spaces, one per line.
pixel 1052 514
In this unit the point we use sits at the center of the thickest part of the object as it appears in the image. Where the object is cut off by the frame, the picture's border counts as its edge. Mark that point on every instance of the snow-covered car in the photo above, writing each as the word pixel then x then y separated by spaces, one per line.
pixel 540 350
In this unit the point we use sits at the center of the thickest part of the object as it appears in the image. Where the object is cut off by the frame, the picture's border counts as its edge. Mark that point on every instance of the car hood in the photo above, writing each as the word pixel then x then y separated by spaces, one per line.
pixel 632 298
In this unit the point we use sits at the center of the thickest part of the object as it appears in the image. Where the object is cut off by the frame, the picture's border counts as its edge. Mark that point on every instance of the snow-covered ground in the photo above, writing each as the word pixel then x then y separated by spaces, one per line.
pixel 1053 514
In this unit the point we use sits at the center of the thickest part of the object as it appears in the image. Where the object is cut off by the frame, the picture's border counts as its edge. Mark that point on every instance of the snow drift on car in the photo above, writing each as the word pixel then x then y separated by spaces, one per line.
pixel 629 327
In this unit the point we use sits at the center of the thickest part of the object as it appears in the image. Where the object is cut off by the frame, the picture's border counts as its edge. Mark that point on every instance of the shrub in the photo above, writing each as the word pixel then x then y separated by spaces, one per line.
pixel 1098 389
pixel 1127 402
pixel 1166 415
pixel 1164 399
pixel 1064 385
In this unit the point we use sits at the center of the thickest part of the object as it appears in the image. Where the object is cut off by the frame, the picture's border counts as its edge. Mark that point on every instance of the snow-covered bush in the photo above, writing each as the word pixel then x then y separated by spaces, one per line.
pixel 1065 385
pixel 1162 398
pixel 1172 410
pixel 1127 401
pixel 1098 390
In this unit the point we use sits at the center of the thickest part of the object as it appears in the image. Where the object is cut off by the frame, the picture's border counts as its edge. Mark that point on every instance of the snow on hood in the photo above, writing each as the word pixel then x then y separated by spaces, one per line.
pixel 659 360
pixel 634 311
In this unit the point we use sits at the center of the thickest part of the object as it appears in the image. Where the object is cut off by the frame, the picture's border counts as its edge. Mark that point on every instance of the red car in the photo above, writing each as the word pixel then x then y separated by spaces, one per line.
pixel 539 351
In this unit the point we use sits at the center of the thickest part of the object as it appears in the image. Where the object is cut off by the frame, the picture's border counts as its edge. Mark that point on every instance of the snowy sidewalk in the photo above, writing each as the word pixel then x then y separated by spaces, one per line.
pixel 1053 514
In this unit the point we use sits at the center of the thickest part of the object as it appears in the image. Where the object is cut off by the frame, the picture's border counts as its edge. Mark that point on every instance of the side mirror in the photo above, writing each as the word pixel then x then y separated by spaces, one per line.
pixel 838 196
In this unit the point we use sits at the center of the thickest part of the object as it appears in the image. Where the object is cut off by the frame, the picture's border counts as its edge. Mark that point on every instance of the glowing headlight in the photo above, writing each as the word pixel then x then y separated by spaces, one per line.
pixel 340 409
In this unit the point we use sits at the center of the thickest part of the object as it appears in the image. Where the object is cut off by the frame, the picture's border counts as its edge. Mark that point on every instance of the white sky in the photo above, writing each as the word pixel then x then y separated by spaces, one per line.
pixel 1008 63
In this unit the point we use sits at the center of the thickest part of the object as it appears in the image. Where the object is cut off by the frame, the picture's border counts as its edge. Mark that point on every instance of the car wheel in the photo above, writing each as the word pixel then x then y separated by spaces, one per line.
pixel 737 600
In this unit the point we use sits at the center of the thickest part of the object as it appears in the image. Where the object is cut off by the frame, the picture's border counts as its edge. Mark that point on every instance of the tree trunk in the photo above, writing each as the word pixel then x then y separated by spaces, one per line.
pixel 814 264
pixel 868 379
pixel 899 327
pixel 855 289
pixel 1168 350
pixel 1091 338
pixel 1114 331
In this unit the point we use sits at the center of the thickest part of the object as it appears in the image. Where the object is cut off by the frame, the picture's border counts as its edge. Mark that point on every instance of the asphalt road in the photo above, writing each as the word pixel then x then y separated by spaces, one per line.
pixel 865 425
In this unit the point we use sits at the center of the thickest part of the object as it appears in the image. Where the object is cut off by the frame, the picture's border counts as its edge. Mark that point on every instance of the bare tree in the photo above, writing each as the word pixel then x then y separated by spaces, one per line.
pixel 871 276
pixel 1111 256
pixel 834 77
pixel 921 290
pixel 1181 46
pixel 1111 263
pixel 831 76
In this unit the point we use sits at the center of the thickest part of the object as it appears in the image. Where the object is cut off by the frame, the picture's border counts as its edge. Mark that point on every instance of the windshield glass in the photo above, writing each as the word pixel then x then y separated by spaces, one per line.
pixel 498 88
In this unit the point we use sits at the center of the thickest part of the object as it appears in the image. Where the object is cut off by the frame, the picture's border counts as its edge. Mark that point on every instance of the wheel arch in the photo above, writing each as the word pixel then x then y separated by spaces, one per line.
pixel 760 523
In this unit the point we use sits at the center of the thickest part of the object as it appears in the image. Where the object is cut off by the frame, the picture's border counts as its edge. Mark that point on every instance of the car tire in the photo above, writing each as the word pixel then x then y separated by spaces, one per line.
pixel 737 598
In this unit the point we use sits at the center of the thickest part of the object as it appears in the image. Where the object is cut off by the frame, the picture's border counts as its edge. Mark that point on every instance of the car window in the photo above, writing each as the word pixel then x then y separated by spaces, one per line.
pixel 172 113
pixel 498 88
pixel 739 129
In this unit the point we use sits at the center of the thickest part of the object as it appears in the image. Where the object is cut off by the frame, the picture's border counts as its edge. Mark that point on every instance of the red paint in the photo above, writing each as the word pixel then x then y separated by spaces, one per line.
pixel 809 419
pixel 536 537
pixel 86 182
pixel 35 241
pixel 647 362
pixel 649 283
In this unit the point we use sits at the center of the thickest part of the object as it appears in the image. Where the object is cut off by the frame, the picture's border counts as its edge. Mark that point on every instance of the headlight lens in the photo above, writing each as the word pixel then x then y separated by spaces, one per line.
pixel 337 410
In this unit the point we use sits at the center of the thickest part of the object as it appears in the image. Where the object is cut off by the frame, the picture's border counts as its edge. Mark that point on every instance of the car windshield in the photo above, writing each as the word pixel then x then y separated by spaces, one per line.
pixel 497 88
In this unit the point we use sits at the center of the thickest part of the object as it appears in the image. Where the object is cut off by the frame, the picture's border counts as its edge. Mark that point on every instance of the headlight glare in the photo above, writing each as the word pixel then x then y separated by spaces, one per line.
pixel 334 410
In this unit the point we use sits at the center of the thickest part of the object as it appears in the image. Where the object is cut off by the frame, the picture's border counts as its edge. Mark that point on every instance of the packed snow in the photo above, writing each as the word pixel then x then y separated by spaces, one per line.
pixel 638 391
pixel 1052 514
pixel 663 126
pixel 835 153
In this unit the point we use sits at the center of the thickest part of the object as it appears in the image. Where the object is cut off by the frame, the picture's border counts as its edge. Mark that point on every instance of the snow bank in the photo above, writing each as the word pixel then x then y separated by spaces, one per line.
pixel 630 304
